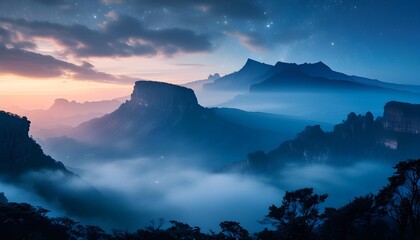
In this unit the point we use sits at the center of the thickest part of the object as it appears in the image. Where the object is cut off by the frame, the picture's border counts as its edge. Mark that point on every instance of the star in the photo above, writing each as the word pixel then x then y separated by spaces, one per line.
pixel 332 43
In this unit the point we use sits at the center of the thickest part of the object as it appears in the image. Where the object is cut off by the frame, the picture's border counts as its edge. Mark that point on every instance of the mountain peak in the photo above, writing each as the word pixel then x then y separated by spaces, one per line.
pixel 280 63
pixel 213 77
pixel 251 63
pixel 319 65
pixel 61 101
pixel 164 96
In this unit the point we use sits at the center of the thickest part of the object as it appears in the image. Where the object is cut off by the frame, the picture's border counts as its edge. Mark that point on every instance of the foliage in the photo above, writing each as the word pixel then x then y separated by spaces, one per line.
pixel 298 214
pixel 400 199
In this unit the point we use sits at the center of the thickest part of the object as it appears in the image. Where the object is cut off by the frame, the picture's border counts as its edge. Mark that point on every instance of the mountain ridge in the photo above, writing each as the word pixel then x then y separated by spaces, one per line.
pixel 163 119
pixel 390 138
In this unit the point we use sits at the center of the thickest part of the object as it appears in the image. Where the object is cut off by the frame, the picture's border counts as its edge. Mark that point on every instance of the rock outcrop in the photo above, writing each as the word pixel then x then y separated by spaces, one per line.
pixel 3 198
pixel 19 153
pixel 402 117
pixel 391 138
pixel 163 96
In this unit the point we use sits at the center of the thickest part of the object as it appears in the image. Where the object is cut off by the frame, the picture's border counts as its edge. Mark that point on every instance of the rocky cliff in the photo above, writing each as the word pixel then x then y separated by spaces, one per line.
pixel 19 153
pixel 163 96
pixel 391 138
pixel 402 117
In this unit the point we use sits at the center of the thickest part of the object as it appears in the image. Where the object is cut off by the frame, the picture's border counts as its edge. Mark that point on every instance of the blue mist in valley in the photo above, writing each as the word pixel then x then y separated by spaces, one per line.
pixel 257 151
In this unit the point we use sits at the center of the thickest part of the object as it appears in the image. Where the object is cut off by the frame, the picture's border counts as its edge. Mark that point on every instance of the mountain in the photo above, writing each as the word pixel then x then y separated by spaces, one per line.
pixel 64 114
pixel 240 80
pixel 198 85
pixel 165 120
pixel 18 152
pixel 391 138
pixel 315 91
pixel 292 79
pixel 254 72
pixel 24 165
pixel 65 108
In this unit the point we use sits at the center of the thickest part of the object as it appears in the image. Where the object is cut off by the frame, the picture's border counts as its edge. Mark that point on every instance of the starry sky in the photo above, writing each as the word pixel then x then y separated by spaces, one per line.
pixel 93 49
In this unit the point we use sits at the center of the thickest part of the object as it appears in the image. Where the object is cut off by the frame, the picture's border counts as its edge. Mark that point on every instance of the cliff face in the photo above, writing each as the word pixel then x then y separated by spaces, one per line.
pixel 402 117
pixel 358 138
pixel 18 152
pixel 163 96
pixel 3 198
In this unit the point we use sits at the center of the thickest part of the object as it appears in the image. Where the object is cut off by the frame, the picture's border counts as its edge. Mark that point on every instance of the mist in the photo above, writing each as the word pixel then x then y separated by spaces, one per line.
pixel 341 183
pixel 153 190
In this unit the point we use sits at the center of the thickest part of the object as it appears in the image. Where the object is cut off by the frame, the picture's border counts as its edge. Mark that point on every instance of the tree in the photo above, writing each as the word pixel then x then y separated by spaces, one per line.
pixel 70 226
pixel 359 219
pixel 298 214
pixel 400 199
pixel 232 231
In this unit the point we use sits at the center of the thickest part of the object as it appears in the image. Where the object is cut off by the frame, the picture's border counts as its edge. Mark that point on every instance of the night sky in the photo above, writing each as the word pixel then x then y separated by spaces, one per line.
pixel 115 42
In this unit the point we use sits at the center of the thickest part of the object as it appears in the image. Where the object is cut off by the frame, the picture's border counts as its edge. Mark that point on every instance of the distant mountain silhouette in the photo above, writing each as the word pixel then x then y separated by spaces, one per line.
pixel 198 85
pixel 391 138
pixel 254 72
pixel 162 119
pixel 65 108
pixel 64 114
pixel 310 90
pixel 240 80
pixel 293 78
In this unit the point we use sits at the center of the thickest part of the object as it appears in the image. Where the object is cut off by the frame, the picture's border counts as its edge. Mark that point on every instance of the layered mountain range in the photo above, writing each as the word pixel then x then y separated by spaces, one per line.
pixel 393 137
pixel 254 72
pixel 312 91
pixel 165 120
pixel 64 114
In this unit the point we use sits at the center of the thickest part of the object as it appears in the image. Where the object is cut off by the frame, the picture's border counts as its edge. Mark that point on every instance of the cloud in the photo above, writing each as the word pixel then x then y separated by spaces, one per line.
pixel 63 5
pixel 30 64
pixel 107 2
pixel 342 183
pixel 260 42
pixel 176 192
pixel 240 9
pixel 251 41
pixel 141 190
pixel 119 36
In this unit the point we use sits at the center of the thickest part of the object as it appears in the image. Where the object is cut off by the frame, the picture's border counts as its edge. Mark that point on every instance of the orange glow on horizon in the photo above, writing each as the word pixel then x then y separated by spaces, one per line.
pixel 19 92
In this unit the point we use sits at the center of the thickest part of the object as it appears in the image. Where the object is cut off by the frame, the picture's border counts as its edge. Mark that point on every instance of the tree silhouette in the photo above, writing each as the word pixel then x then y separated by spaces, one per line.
pixel 298 214
pixel 232 231
pixel 400 199
pixel 359 219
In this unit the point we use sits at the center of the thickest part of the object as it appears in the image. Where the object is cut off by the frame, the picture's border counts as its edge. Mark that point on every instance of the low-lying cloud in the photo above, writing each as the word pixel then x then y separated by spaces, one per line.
pixel 342 183
pixel 142 190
